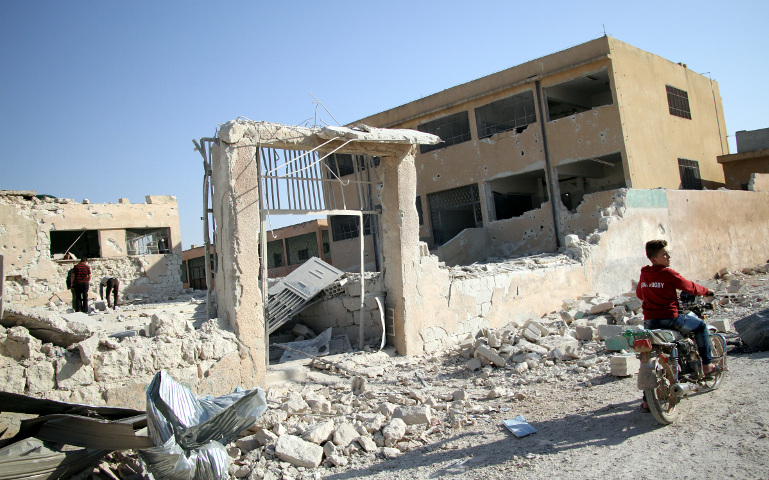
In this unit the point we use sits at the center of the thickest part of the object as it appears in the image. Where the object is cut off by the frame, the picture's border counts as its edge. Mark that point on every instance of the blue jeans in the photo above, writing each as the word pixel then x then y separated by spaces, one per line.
pixel 686 324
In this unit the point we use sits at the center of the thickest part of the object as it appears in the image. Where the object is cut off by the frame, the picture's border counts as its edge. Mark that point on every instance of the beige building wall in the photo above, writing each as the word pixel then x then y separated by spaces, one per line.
pixel 654 138
pixel 739 167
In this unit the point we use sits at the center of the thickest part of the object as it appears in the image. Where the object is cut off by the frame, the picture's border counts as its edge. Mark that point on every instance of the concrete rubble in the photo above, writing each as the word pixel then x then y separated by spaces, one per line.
pixel 332 419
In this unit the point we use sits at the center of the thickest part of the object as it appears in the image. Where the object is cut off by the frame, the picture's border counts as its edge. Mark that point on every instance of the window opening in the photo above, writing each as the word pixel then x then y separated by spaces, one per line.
pixel 183 271
pixel 511 113
pixel 197 272
pixel 578 95
pixel 452 129
pixel 678 102
pixel 147 241
pixel 690 174
pixel 341 164
pixel 326 244
pixel 451 211
pixel 515 195
pixel 345 227
pixel 80 243
pixel 275 254
pixel 300 248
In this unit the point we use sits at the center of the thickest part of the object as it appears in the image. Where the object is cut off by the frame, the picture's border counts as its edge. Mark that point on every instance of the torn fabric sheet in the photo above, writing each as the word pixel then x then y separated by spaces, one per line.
pixel 191 433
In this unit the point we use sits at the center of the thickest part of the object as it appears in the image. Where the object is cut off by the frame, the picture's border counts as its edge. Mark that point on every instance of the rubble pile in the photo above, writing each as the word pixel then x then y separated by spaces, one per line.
pixel 73 358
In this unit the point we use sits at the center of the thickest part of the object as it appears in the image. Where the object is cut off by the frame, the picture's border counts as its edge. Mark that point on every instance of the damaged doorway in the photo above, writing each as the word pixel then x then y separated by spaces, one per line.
pixel 312 183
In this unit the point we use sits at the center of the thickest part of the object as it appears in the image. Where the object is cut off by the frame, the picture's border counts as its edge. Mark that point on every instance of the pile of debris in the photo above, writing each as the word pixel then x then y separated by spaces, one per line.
pixel 76 358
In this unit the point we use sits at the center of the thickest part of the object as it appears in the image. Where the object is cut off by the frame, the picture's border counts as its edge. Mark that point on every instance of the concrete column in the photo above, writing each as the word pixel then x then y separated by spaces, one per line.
pixel 400 240
pixel 2 284
pixel 238 294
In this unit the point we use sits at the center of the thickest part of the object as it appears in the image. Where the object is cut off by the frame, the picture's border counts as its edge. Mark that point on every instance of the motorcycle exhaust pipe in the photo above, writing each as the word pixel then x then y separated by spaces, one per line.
pixel 683 389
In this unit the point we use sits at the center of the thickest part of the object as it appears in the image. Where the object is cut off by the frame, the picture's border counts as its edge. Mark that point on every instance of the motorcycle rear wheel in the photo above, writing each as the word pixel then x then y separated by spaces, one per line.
pixel 718 350
pixel 663 405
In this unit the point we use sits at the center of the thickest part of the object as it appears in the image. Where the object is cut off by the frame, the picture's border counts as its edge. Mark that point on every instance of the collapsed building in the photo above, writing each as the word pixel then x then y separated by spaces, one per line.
pixel 42 237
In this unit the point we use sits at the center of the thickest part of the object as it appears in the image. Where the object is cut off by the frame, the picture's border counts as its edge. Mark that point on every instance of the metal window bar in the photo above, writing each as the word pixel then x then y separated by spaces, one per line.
pixel 690 174
pixel 678 102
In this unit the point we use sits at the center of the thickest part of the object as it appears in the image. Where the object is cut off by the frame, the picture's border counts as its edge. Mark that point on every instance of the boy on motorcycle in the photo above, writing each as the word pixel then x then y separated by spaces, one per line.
pixel 657 291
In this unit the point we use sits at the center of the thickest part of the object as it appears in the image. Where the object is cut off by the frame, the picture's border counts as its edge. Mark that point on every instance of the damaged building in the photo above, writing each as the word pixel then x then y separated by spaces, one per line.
pixel 595 117
pixel 42 236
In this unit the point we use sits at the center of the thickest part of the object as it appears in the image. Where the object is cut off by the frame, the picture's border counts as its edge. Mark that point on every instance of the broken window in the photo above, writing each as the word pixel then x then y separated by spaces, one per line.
pixel 275 254
pixel 678 102
pixel 515 195
pixel 300 248
pixel 578 95
pixel 148 241
pixel 511 113
pixel 690 174
pixel 452 129
pixel 452 211
pixel 326 244
pixel 344 227
pixel 341 164
pixel 79 243
pixel 591 175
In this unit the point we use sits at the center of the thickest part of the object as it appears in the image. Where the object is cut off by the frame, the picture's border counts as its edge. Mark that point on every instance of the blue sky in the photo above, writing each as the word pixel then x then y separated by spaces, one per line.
pixel 101 99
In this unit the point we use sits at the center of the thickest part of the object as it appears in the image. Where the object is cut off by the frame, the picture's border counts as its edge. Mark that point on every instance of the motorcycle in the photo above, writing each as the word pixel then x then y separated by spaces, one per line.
pixel 671 367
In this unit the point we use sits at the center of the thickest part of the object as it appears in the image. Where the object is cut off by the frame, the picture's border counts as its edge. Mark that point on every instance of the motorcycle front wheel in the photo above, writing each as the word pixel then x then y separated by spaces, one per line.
pixel 663 405
pixel 718 349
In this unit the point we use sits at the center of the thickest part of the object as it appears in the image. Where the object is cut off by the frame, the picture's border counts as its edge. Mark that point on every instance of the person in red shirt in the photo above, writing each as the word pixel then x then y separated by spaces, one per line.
pixel 657 290
pixel 81 282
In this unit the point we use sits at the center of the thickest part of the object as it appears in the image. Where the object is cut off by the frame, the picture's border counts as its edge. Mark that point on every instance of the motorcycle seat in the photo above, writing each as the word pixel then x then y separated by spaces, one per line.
pixel 664 335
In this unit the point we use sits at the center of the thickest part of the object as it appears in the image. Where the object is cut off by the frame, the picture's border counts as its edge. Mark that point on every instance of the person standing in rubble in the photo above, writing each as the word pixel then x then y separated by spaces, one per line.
pixel 112 284
pixel 81 282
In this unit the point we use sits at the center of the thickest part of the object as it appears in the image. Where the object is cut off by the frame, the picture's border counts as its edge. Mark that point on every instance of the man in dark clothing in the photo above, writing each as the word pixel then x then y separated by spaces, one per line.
pixel 112 285
pixel 81 282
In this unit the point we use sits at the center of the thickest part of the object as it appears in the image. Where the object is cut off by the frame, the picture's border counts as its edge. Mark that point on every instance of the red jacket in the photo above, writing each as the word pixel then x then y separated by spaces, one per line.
pixel 657 290
pixel 81 273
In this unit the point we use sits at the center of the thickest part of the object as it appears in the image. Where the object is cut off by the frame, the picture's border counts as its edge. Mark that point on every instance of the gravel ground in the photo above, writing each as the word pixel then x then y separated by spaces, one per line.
pixel 594 429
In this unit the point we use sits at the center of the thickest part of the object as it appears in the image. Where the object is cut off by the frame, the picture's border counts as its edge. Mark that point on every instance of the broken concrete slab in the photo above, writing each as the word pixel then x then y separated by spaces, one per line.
pixel 50 327
pixel 298 452
pixel 624 365
pixel 754 330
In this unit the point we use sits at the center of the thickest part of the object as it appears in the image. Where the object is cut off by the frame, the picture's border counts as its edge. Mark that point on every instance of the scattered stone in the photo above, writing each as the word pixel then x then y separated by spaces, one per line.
pixel 298 452
pixel 490 355
pixel 344 435
pixel 394 431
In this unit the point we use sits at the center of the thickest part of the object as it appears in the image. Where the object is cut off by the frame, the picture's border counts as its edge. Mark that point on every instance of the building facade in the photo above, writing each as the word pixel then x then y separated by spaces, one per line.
pixel 752 158
pixel 599 116
pixel 287 248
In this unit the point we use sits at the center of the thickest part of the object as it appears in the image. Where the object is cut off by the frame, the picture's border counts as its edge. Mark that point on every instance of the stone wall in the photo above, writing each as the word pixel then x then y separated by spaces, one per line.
pixel 33 276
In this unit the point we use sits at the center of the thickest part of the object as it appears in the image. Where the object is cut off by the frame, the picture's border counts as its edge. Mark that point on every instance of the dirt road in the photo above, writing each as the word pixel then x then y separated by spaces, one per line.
pixel 598 432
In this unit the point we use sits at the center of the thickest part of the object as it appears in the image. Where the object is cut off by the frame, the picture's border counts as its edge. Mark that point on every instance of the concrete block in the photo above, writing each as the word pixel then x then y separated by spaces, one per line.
pixel 584 333
pixel 413 415
pixel 298 452
pixel 624 365
pixel 607 331
pixel 473 364
pixel 571 241
pixel 601 308
pixel 617 342
pixel 723 325
pixel 754 330
pixel 345 434
pixel 490 355
pixel 320 432
pixel 532 333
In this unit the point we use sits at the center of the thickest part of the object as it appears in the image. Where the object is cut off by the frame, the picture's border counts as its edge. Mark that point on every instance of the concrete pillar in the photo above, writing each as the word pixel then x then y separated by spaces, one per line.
pixel 2 284
pixel 400 240
pixel 238 294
